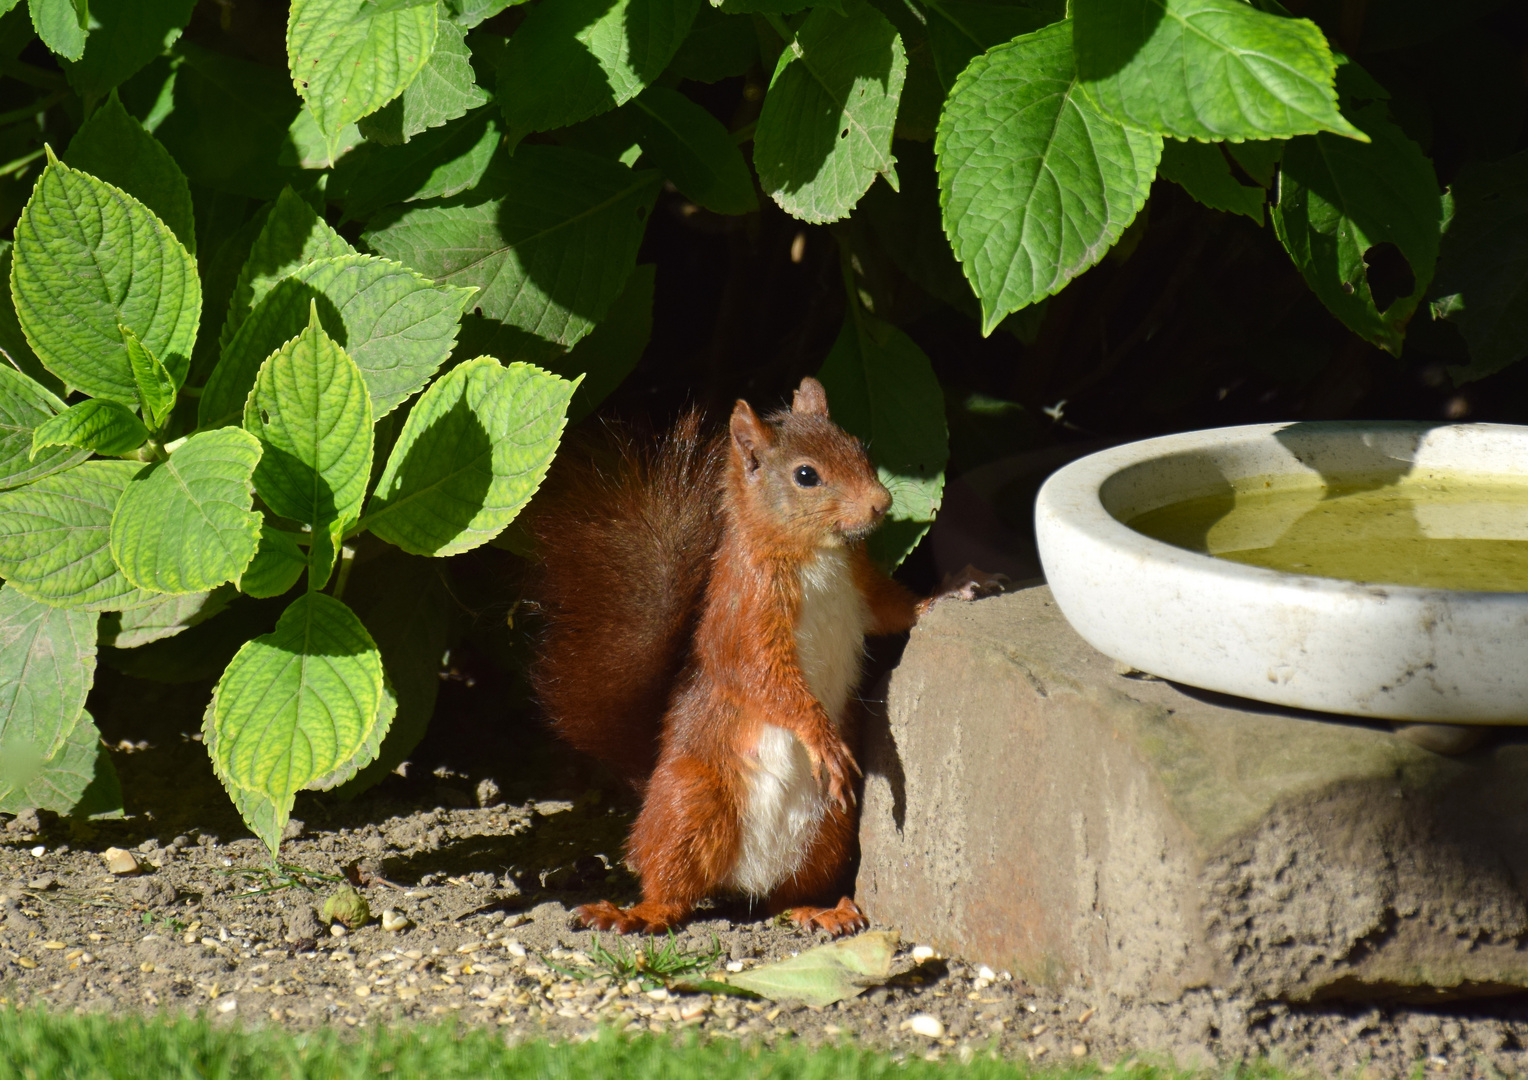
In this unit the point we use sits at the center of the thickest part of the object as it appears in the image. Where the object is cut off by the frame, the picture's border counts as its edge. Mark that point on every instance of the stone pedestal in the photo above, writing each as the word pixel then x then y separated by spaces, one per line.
pixel 1030 807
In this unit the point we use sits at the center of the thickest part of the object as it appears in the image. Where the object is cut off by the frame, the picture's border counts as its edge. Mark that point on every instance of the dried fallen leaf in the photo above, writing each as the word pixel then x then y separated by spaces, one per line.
pixel 826 974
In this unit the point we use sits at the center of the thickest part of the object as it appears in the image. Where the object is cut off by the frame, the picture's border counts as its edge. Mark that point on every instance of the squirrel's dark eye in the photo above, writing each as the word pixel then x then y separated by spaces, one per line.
pixel 806 476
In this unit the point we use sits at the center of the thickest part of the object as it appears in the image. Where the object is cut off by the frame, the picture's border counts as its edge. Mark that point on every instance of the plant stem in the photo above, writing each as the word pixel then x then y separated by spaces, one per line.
pixel 26 112
pixel 347 559
pixel 20 163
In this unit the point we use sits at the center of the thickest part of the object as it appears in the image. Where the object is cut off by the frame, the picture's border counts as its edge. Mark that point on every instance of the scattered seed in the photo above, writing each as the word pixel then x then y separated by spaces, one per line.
pixel 146 967
pixel 1087 1015
pixel 26 962
pixel 930 1027
pixel 922 953
pixel 53 945
pixel 1079 1050
pixel 39 851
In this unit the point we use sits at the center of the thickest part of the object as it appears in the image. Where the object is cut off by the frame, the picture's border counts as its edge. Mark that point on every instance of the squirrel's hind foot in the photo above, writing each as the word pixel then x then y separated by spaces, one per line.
pixel 643 918
pixel 846 918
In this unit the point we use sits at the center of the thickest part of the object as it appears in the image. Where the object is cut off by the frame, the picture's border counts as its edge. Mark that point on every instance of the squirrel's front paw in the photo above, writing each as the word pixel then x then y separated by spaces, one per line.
pixel 833 758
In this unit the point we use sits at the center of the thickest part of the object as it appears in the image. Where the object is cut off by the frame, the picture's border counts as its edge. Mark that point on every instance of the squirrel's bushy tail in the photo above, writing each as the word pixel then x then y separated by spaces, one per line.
pixel 626 546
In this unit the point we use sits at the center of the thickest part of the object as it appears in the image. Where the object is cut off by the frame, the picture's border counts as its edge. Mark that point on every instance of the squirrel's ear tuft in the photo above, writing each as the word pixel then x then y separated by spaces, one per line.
pixel 749 435
pixel 810 398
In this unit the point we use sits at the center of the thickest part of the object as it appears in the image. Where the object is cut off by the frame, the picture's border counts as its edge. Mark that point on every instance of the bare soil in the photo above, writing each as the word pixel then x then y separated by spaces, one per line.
pixel 484 847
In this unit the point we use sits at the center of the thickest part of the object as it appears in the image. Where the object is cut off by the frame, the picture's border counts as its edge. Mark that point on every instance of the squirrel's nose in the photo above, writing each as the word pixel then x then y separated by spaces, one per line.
pixel 880 502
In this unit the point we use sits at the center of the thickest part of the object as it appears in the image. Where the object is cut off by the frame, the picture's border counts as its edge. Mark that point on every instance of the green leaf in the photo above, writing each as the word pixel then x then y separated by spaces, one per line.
pixel 62 25
pixel 397 326
pixel 469 13
pixel 824 133
pixel 47 663
pixel 89 259
pixel 113 147
pixel 473 451
pixel 99 424
pixel 719 46
pixel 295 705
pixel 349 60
pixel 882 389
pixel 78 780
pixel 1201 169
pixel 1482 281
pixel 1338 198
pixel 230 121
pixel 762 7
pixel 202 656
pixel 308 147
pixel 125 35
pixel 1258 159
pixel 573 59
pixel 825 974
pixel 156 386
pixel 24 406
pixel 185 525
pixel 293 236
pixel 444 90
pixel 164 618
pixel 549 238
pixel 17 354
pixel 1035 183
pixel 407 607
pixel 312 414
pixel 438 163
pixel 694 151
pixel 959 30
pixel 55 538
pixel 220 273
pixel 1206 69
pixel 603 359
pixel 277 564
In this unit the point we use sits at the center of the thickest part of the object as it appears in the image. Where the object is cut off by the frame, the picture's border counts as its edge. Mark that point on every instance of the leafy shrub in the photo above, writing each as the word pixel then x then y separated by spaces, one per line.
pixel 266 319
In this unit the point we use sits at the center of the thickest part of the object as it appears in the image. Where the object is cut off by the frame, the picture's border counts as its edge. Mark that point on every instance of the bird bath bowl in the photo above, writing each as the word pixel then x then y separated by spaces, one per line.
pixel 1369 569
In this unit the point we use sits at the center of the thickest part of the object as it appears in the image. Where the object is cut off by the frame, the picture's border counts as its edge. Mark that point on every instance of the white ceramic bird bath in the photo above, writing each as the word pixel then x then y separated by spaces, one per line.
pixel 1368 647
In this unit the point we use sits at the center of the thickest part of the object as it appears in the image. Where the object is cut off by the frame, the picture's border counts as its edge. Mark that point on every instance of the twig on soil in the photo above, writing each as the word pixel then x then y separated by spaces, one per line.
pixel 280 876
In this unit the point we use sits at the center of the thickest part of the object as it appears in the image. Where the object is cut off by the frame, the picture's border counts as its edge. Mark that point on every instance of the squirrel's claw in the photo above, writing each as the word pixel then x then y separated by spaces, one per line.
pixel 967 584
pixel 846 918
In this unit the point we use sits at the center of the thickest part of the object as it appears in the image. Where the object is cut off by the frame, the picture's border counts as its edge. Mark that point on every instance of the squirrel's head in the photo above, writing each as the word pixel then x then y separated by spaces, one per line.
pixel 798 473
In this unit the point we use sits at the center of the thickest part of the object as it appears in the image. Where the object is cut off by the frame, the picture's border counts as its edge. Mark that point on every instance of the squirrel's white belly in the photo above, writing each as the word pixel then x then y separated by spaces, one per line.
pixel 785 803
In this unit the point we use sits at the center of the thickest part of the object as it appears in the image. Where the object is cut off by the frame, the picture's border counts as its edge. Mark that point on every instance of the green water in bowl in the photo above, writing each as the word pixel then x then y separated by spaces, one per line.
pixel 1434 531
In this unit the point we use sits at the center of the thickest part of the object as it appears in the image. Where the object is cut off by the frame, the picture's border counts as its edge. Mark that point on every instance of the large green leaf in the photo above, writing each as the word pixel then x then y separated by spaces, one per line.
pixel 473 451
pixel 312 414
pixel 882 388
pixel 229 122
pixel 295 705
pixel 573 59
pixel 55 538
pixel 444 90
pixel 88 259
pixel 166 617
pixel 1482 279
pixel 1206 69
pixel 469 13
pixel 1339 198
pixel 24 406
pixel 100 424
pixel 694 151
pixel 78 780
pixel 438 163
pixel 549 238
pixel 603 359
pixel 397 326
pixel 62 25
pixel 185 525
pixel 47 663
pixel 17 353
pixel 112 146
pixel 824 134
pixel 1201 169
pixel 719 46
pixel 125 35
pixel 1035 183
pixel 959 30
pixel 349 60
pixel 293 236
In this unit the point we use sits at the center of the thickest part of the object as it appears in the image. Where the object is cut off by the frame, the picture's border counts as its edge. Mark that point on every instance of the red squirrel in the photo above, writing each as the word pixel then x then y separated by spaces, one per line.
pixel 706 613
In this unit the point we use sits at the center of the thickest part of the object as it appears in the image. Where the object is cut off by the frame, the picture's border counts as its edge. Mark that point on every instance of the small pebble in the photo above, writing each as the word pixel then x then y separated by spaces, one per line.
pixel 922 953
pixel 39 851
pixel 928 1026
pixel 119 862
pixel 1079 1050
pixel 734 965
pixel 146 967
pixel 228 1005
pixel 338 929
pixel 984 972
pixel 393 921
pixel 514 948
